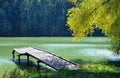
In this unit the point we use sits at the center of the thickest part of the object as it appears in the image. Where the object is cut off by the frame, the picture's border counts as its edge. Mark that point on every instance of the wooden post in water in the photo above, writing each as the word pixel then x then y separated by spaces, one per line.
pixel 13 52
pixel 27 60
pixel 18 59
pixel 38 65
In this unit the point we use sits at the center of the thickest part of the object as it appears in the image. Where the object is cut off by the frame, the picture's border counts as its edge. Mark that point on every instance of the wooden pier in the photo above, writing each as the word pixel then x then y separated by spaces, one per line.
pixel 50 59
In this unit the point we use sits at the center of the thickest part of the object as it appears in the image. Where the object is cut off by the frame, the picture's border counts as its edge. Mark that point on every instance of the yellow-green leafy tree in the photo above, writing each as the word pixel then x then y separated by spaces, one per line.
pixel 87 15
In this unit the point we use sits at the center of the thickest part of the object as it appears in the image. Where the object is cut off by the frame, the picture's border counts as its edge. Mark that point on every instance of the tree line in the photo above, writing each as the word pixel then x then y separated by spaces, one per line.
pixel 34 18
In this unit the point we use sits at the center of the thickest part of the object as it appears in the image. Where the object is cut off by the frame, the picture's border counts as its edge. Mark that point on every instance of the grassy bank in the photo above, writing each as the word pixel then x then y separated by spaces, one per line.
pixel 86 71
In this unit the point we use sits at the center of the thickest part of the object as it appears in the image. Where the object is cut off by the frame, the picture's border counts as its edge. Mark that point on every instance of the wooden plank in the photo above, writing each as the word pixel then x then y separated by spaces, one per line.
pixel 56 55
pixel 21 50
pixel 54 61
pixel 48 58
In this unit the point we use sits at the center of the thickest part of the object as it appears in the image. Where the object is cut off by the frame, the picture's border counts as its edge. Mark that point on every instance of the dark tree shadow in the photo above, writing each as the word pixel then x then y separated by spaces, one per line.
pixel 113 62
pixel 106 61
pixel 80 61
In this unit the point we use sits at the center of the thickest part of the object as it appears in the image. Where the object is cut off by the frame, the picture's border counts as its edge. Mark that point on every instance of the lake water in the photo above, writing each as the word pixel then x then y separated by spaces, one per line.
pixel 89 49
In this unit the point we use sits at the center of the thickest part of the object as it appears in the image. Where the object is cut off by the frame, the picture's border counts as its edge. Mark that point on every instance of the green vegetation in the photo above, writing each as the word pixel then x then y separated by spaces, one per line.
pixel 90 53
pixel 88 15
pixel 86 71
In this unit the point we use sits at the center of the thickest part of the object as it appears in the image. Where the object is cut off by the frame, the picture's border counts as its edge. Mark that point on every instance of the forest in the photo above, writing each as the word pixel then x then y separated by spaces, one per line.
pixel 21 18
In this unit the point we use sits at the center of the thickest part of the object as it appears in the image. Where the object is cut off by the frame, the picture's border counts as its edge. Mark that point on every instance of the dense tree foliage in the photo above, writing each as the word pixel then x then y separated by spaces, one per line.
pixel 88 15
pixel 33 17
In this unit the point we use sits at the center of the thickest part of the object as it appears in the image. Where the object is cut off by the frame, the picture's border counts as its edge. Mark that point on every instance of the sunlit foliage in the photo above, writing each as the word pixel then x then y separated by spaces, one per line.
pixel 90 14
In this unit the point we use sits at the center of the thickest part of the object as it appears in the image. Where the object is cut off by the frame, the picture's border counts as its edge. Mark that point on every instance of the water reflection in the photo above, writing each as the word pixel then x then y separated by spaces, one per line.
pixel 75 45
pixel 90 50
pixel 5 61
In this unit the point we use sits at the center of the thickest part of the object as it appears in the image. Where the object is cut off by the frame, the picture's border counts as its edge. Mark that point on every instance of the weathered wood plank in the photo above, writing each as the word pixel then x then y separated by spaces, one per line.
pixel 48 58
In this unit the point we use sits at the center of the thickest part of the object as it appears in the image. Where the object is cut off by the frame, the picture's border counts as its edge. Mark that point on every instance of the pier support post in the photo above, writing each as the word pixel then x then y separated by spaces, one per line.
pixel 38 65
pixel 13 52
pixel 28 60
pixel 18 59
